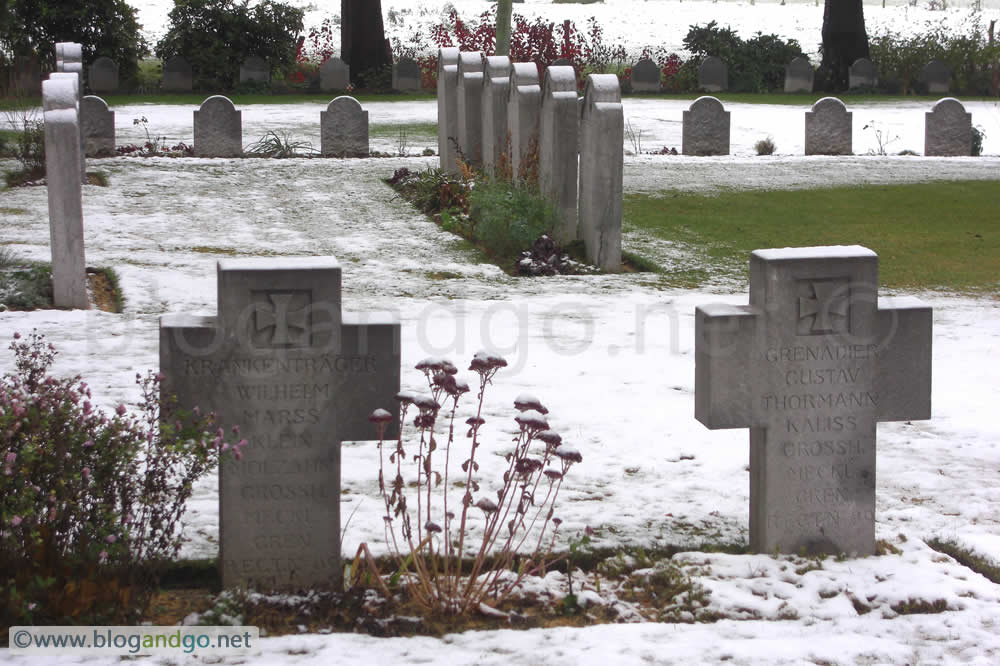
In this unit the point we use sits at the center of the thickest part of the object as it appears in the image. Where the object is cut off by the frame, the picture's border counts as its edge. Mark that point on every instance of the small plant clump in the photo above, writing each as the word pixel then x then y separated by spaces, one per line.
pixel 765 146
pixel 154 146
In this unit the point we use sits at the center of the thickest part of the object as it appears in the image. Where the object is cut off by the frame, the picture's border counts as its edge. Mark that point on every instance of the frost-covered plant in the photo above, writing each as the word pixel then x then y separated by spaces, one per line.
pixel 507 533
pixel 765 146
pixel 90 503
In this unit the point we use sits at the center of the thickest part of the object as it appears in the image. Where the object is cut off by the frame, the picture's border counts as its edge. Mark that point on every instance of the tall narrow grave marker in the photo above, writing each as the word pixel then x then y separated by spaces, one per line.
pixel 602 133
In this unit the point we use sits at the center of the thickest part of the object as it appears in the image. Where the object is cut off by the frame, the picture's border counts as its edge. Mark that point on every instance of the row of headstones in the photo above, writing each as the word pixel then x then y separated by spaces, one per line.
pixel 829 129
pixel 811 365
pixel 178 75
pixel 713 76
pixel 218 128
pixel 492 111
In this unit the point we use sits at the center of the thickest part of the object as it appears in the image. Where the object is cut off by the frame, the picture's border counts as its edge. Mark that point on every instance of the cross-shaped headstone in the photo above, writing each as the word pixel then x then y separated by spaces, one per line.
pixel 810 366
pixel 298 376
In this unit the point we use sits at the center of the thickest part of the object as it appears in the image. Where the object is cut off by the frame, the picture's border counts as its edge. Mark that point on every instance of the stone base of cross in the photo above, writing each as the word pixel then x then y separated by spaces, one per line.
pixel 811 365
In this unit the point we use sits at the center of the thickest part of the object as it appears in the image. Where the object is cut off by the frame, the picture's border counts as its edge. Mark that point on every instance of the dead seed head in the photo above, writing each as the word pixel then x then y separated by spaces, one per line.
pixel 484 362
pixel 475 421
pixel 406 397
pixel 380 416
pixel 487 505
pixel 550 437
pixel 526 401
pixel 569 454
pixel 527 466
pixel 532 420
pixel 426 402
pixel 555 475
pixel 432 527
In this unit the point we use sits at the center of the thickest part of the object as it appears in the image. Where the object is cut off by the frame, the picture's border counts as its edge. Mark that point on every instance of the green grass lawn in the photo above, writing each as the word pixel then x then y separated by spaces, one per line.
pixel 928 236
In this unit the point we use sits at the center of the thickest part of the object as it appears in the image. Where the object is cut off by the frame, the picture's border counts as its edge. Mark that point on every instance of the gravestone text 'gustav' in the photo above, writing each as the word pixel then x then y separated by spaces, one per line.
pixel 799 76
pixel 61 113
pixel 447 103
pixel 103 75
pixel 862 74
pixel 713 75
pixel 705 128
pixel 602 133
pixel 829 128
pixel 470 107
pixel 810 366
pixel 948 129
pixel 524 106
pixel 334 74
pixel 218 128
pixel 255 68
pixel 344 129
pixel 97 123
pixel 558 148
pixel 177 75
pixel 937 77
pixel 299 377
pixel 495 88
pixel 406 75
pixel 645 76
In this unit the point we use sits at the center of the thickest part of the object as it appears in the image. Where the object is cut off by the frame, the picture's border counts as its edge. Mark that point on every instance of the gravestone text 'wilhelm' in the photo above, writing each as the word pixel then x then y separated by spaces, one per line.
pixel 810 366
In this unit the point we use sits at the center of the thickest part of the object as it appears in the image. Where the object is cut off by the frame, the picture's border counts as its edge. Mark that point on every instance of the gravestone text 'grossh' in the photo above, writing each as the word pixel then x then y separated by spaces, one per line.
pixel 602 133
pixel 218 128
pixel 177 75
pixel 829 129
pixel 495 92
pixel 299 377
pixel 470 107
pixel 61 113
pixel 447 104
pixel 645 76
pixel 558 148
pixel 524 106
pixel 713 75
pixel 948 129
pixel 406 75
pixel 799 76
pixel 334 74
pixel 862 74
pixel 344 129
pixel 810 366
pixel 256 69
pixel 97 123
pixel 103 75
pixel 705 128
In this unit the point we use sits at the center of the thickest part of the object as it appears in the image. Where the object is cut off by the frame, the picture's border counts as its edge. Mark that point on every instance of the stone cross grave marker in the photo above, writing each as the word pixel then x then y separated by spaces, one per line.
pixel 602 134
pixel 799 76
pixel 524 107
pixel 495 89
pixel 344 129
pixel 645 76
pixel 299 377
pixel 558 148
pixel 713 75
pixel 103 75
pixel 470 106
pixel 177 75
pixel 69 62
pixel 61 113
pixel 218 128
pixel 97 123
pixel 705 128
pixel 862 74
pixel 948 129
pixel 937 77
pixel 334 74
pixel 829 129
pixel 447 103
pixel 810 366
pixel 406 75
pixel 255 68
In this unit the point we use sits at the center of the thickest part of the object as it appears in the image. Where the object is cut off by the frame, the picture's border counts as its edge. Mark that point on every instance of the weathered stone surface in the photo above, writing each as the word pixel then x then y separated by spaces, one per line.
pixel 602 134
pixel 299 377
pixel 334 74
pixel 103 75
pixel 69 61
pixel 810 366
pixel 470 107
pixel 524 107
pixel 447 101
pixel 645 76
pixel 177 75
pixel 937 77
pixel 218 128
pixel 863 74
pixel 828 128
pixel 705 128
pixel 344 129
pixel 61 113
pixel 713 75
pixel 799 76
pixel 98 126
pixel 77 80
pixel 255 68
pixel 406 75
pixel 496 84
pixel 558 142
pixel 948 129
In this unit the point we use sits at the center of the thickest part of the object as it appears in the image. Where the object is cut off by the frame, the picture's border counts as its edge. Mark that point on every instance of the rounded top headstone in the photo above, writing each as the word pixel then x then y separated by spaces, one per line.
pixel 218 103
pixel 470 62
pixel 177 63
pixel 344 103
pixel 864 66
pixel 948 105
pixel 59 92
pixel 523 74
pixel 707 103
pixel 105 62
pixel 601 89
pixel 558 78
pixel 829 105
pixel 94 103
pixel 497 66
pixel 447 56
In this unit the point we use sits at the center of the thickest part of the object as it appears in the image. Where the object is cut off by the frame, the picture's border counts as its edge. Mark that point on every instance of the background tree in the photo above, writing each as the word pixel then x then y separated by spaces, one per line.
pixel 216 36
pixel 104 28
pixel 504 10
pixel 844 41
pixel 363 45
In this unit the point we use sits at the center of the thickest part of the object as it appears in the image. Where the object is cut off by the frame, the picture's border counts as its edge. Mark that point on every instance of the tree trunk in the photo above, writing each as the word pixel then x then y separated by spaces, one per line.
pixel 844 40
pixel 504 10
pixel 363 43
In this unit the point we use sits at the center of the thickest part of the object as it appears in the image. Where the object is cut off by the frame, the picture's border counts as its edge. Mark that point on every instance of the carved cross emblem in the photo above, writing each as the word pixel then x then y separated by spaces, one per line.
pixel 824 307
pixel 281 321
